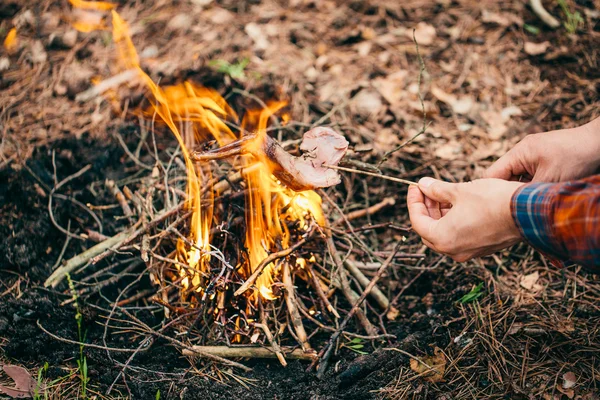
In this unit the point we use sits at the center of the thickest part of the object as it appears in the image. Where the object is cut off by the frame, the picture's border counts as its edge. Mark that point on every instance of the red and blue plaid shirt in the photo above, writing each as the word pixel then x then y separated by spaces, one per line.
pixel 561 220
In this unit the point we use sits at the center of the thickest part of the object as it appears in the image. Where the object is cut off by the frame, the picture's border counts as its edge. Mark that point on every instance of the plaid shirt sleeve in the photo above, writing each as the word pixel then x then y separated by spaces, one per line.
pixel 561 220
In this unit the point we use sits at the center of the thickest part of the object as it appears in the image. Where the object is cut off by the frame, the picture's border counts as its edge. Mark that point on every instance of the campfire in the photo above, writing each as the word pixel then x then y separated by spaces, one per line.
pixel 247 234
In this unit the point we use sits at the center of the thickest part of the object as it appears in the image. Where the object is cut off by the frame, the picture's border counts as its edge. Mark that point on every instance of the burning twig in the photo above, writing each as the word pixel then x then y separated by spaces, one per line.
pixel 227 151
pixel 248 352
pixel 271 258
pixel 325 352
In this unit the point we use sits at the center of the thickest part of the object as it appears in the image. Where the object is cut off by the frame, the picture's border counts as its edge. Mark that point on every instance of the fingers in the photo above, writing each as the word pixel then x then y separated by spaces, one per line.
pixel 420 219
pixel 433 207
pixel 442 192
pixel 508 167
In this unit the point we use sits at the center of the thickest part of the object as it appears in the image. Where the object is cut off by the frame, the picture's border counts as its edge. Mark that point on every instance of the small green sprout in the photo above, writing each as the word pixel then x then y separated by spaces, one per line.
pixel 355 345
pixel 534 30
pixel 235 70
pixel 473 295
pixel 573 19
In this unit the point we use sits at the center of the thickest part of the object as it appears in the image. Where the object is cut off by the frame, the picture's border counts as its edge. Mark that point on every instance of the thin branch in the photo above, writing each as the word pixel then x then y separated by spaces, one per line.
pixel 425 124
pixel 326 351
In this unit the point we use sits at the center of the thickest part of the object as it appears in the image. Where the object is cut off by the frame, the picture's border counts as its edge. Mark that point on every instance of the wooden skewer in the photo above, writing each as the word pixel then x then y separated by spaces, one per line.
pixel 358 171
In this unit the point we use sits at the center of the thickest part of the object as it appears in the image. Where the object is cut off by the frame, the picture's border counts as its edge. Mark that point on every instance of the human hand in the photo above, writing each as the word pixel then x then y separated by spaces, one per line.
pixel 555 156
pixel 463 220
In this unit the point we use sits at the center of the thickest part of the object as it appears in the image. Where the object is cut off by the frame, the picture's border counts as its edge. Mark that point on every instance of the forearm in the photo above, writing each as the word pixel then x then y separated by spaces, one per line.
pixel 561 219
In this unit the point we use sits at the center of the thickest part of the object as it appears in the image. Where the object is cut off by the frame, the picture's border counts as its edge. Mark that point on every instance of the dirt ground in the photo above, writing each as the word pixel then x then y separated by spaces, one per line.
pixel 494 73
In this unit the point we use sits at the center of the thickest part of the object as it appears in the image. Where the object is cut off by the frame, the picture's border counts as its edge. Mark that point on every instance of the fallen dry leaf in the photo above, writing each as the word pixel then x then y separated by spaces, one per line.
pixel 535 49
pixel 431 368
pixel 496 123
pixel 25 385
pixel 393 313
pixel 460 105
pixel 391 87
pixel 180 22
pixel 257 34
pixel 570 393
pixel 424 33
pixel 385 140
pixel 528 281
pixel 502 19
pixel 449 151
pixel 367 102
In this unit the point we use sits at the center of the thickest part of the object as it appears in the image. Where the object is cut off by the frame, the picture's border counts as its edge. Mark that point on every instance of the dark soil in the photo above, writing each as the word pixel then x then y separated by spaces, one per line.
pixel 32 245
pixel 511 343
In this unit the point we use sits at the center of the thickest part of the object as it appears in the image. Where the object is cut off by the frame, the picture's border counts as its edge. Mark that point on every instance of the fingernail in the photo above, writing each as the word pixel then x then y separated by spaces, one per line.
pixel 426 182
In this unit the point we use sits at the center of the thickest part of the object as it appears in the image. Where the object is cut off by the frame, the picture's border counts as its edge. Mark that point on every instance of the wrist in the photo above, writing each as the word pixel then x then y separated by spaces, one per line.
pixel 512 226
pixel 591 137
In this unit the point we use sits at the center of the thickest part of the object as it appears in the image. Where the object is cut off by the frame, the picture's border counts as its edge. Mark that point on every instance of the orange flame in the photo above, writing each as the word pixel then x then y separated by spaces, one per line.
pixel 93 5
pixel 195 115
pixel 89 16
pixel 10 43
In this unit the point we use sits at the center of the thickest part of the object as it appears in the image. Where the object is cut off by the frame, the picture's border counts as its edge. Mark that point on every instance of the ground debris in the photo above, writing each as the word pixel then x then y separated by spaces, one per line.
pixel 431 368
pixel 25 385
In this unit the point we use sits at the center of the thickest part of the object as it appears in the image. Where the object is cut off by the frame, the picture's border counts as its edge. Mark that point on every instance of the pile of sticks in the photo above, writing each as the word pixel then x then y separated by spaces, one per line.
pixel 225 322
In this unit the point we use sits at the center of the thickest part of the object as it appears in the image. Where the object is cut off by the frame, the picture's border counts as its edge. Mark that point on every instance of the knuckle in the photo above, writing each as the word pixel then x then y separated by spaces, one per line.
pixel 527 142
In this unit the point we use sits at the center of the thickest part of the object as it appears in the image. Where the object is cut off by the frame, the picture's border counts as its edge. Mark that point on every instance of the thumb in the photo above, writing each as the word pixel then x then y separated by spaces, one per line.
pixel 508 166
pixel 440 191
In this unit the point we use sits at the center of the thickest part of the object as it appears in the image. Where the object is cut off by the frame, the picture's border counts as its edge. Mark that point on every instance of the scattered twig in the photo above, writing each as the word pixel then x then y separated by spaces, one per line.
pixel 195 351
pixel 59 274
pixel 54 189
pixel 326 351
pixel 248 352
pixel 317 285
pixel 107 84
pixel 64 248
pixel 344 285
pixel 290 299
pixel 90 345
pixel 376 293
pixel 375 208
pixel 543 14
pixel 94 253
pixel 114 189
pixel 273 342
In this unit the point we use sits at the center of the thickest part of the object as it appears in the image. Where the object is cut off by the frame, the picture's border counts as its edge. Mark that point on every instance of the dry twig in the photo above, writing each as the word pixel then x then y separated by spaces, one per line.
pixel 247 352
pixel 325 352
